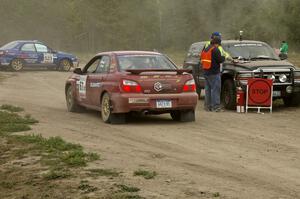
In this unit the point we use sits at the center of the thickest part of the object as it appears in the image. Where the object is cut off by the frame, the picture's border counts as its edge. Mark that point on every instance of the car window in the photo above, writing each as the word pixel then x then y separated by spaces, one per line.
pixel 10 45
pixel 92 68
pixel 28 47
pixel 250 50
pixel 144 62
pixel 103 66
pixel 41 48
pixel 195 49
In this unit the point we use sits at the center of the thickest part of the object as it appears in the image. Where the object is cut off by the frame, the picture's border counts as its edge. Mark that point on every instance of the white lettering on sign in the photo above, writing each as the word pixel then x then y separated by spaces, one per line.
pixel 82 86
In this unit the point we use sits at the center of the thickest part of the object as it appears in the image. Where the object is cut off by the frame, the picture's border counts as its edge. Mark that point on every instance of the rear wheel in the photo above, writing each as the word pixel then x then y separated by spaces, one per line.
pixel 17 64
pixel 65 65
pixel 71 103
pixel 107 115
pixel 228 94
pixel 183 115
pixel 292 101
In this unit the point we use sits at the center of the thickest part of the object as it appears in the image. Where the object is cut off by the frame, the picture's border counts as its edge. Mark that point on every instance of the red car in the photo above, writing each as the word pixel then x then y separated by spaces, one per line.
pixel 120 82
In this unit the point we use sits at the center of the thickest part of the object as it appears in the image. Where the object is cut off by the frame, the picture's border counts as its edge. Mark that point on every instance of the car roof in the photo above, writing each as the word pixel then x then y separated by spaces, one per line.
pixel 130 53
pixel 232 42
pixel 27 41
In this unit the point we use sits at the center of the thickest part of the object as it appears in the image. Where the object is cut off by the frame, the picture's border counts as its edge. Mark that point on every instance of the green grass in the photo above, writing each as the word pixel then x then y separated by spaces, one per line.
pixel 11 108
pixel 12 122
pixel 146 174
pixel 7 185
pixel 54 174
pixel 125 188
pixel 103 172
pixel 86 188
pixel 217 194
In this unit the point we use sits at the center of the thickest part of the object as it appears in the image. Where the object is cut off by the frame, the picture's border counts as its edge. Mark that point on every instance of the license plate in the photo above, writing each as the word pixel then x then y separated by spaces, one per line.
pixel 163 104
pixel 276 93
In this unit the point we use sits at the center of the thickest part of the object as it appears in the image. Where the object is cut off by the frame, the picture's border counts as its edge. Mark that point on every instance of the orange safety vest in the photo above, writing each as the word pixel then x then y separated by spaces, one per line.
pixel 206 57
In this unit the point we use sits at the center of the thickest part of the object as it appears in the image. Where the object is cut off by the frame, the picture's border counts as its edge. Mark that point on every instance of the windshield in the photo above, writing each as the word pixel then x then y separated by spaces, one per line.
pixel 9 45
pixel 145 62
pixel 251 51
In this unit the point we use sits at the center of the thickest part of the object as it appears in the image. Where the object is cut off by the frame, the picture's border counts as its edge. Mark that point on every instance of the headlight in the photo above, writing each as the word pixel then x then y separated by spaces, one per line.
pixel 282 78
pixel 272 77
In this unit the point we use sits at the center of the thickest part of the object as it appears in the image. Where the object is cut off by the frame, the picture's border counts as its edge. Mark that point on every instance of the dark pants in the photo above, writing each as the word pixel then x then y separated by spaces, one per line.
pixel 212 91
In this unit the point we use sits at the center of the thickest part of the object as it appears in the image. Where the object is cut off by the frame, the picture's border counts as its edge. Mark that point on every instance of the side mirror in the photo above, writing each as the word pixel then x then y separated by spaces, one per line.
pixel 78 71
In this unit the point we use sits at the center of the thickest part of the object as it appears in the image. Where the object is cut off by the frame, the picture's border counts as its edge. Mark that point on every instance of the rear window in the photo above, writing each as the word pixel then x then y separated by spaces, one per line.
pixel 9 45
pixel 127 62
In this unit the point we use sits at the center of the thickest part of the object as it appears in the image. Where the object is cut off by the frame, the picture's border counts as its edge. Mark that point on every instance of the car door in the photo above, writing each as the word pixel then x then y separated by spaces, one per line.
pixel 45 56
pixel 96 80
pixel 28 54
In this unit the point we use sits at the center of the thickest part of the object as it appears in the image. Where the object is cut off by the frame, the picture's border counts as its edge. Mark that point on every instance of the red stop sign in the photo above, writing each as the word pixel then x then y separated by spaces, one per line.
pixel 259 92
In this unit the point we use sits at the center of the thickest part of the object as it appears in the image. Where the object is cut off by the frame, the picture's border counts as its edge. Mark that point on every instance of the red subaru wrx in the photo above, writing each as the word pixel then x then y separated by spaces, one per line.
pixel 120 82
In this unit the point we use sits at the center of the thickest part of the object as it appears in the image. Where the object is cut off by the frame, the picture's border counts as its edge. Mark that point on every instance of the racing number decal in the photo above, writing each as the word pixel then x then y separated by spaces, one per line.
pixel 82 86
pixel 48 58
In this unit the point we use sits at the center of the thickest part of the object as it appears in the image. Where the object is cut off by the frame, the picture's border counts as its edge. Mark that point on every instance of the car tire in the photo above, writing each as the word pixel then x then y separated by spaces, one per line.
pixel 228 96
pixel 17 64
pixel 72 106
pixel 65 65
pixel 183 115
pixel 292 101
pixel 107 115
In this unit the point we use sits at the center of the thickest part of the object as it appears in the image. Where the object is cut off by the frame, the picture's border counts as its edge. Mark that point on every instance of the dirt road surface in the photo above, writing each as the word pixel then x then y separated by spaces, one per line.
pixel 221 155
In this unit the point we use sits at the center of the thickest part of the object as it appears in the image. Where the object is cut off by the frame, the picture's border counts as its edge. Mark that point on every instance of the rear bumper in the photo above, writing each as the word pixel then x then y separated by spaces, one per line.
pixel 124 103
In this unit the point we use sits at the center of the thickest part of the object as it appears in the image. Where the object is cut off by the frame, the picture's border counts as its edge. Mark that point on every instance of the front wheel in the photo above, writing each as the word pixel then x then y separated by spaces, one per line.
pixel 65 65
pixel 292 101
pixel 72 106
pixel 107 115
pixel 228 94
pixel 16 64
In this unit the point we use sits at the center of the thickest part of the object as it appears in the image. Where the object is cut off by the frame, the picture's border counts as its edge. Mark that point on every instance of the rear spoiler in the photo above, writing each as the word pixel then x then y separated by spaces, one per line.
pixel 139 71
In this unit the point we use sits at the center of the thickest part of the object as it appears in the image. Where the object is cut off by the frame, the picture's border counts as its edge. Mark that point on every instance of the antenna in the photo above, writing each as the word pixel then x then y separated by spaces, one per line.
pixel 241 35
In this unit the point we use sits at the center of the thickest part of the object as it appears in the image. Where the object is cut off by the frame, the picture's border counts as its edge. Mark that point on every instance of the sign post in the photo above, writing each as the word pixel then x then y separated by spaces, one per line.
pixel 259 94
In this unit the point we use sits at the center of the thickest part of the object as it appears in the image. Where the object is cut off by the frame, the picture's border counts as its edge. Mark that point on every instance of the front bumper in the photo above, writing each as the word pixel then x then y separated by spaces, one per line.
pixel 4 61
pixel 124 103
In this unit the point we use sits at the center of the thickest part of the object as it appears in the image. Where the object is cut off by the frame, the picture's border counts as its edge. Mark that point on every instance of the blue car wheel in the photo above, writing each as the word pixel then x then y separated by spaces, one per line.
pixel 17 64
pixel 65 65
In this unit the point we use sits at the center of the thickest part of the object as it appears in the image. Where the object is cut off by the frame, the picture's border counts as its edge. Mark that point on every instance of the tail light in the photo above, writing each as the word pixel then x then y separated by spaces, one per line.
pixel 189 86
pixel 129 86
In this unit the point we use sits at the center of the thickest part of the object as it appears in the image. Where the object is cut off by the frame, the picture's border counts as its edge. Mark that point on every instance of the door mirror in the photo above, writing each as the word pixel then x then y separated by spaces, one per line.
pixel 78 71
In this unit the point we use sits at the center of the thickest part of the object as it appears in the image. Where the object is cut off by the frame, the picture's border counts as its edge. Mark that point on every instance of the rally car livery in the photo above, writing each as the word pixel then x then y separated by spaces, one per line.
pixel 31 53
pixel 120 82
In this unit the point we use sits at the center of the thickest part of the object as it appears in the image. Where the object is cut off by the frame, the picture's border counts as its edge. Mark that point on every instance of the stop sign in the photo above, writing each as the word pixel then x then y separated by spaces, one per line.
pixel 260 92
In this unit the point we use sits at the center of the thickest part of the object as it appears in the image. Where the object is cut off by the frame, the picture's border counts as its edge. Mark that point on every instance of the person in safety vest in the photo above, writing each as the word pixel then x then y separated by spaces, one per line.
pixel 223 52
pixel 211 58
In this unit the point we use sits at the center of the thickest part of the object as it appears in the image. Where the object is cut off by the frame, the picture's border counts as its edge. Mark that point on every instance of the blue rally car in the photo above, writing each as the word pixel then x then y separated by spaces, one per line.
pixel 31 53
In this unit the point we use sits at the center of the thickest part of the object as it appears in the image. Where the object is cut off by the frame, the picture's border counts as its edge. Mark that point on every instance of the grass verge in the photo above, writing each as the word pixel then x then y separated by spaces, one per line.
pixel 146 174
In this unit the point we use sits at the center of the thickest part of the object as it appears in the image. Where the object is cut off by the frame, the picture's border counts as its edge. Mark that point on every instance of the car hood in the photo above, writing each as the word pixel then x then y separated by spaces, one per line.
pixel 252 65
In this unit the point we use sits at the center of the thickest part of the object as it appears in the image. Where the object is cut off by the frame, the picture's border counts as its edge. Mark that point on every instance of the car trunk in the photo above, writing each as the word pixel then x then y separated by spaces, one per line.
pixel 158 82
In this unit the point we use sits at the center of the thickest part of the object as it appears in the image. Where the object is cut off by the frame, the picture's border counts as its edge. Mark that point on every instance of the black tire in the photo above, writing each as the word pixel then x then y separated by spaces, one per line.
pixel 292 101
pixel 228 96
pixel 107 115
pixel 17 64
pixel 183 116
pixel 72 106
pixel 65 65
